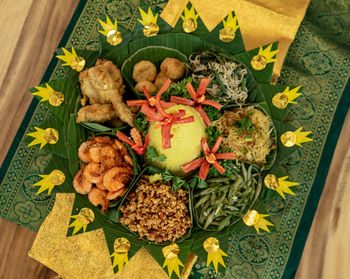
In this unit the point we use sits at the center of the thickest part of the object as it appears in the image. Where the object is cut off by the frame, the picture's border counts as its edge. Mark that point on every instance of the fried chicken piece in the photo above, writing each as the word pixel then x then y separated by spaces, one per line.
pixel 103 84
pixel 98 113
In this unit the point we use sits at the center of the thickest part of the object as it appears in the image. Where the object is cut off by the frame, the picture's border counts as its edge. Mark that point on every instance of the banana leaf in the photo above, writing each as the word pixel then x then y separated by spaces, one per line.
pixel 52 121
pixel 58 163
pixel 121 49
pixel 263 76
pixel 283 152
pixel 155 54
pixel 116 231
pixel 185 43
pixel 100 221
pixel 201 30
pixel 265 93
pixel 131 188
pixel 75 136
pixel 90 57
pixel 200 236
pixel 236 46
pixel 184 248
pixel 65 87
pixel 164 27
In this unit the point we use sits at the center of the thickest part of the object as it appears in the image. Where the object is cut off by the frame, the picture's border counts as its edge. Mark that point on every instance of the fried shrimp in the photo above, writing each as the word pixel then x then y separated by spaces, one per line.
pixel 95 154
pixel 116 178
pixel 172 68
pixel 84 152
pixel 108 172
pixel 81 185
pixel 93 172
pixel 151 87
pixel 99 197
pixel 144 70
pixel 116 194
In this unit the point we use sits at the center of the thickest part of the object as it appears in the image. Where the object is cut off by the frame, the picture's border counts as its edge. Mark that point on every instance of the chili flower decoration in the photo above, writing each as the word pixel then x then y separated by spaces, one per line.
pixel 198 99
pixel 151 100
pixel 210 158
pixel 166 120
pixel 136 143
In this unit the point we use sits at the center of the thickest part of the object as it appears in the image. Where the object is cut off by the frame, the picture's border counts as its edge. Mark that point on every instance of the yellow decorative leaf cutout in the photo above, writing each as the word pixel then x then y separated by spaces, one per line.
pixel 253 218
pixel 49 181
pixel 43 137
pixel 279 184
pixel 120 254
pixel 172 261
pixel 149 22
pixel 212 247
pixel 297 137
pixel 228 33
pixel 263 57
pixel 110 30
pixel 77 63
pixel 82 219
pixel 281 100
pixel 189 18
pixel 49 94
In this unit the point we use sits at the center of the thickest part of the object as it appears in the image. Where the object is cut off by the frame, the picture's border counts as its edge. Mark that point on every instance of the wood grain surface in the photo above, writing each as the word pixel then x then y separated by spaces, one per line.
pixel 30 31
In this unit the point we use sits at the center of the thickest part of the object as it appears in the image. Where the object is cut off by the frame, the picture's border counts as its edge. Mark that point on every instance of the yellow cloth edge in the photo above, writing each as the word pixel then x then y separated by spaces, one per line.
pixel 87 255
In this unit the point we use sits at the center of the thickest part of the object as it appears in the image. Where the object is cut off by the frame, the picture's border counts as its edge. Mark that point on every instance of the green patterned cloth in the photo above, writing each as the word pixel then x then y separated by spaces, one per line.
pixel 319 60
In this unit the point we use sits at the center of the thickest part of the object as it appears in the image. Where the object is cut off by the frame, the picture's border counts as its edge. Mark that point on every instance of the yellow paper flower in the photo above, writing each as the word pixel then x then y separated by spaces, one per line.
pixel 280 185
pixel 212 246
pixel 77 63
pixel 149 22
pixel 253 218
pixel 49 94
pixel 81 220
pixel 281 100
pixel 172 261
pixel 120 254
pixel 189 18
pixel 228 33
pixel 49 181
pixel 297 137
pixel 110 30
pixel 43 137
pixel 263 57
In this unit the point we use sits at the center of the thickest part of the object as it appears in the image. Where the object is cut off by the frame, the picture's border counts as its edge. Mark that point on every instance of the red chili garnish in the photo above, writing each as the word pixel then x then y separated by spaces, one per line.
pixel 136 143
pixel 166 120
pixel 210 158
pixel 198 99
pixel 151 100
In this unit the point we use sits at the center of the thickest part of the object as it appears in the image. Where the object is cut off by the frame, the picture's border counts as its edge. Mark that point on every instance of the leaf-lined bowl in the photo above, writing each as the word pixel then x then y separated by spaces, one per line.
pixel 154 54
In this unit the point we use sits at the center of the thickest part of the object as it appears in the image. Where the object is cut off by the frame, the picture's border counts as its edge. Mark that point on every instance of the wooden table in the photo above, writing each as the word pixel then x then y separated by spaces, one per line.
pixel 30 31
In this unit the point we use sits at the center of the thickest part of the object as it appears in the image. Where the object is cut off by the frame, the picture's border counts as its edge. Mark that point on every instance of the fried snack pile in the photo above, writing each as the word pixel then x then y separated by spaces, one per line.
pixel 106 173
pixel 157 213
pixel 103 84
pixel 145 74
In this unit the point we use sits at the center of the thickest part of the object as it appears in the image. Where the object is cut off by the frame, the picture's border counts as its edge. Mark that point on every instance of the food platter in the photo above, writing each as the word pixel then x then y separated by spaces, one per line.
pixel 171 165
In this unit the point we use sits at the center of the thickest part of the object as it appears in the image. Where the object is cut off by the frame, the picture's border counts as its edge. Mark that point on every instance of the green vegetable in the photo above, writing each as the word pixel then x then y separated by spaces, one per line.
pixel 152 154
pixel 226 198
pixel 177 89
pixel 212 135
pixel 141 123
pixel 212 113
